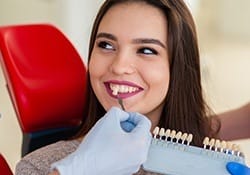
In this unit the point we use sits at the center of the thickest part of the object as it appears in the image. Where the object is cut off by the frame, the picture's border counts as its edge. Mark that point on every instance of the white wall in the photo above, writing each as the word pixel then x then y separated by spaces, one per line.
pixel 78 22
pixel 73 17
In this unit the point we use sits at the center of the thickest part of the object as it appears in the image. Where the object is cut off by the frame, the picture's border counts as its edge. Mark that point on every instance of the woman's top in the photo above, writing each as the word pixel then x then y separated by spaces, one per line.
pixel 39 161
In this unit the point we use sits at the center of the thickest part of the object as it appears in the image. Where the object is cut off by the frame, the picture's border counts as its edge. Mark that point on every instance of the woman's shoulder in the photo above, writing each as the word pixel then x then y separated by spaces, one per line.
pixel 39 161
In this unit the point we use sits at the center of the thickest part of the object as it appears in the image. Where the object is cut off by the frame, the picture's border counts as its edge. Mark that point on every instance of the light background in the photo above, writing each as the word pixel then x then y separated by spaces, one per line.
pixel 224 35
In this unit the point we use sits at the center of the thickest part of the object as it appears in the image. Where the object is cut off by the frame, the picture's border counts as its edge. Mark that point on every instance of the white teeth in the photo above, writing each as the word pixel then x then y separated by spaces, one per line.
pixel 130 89
pixel 115 91
pixel 122 89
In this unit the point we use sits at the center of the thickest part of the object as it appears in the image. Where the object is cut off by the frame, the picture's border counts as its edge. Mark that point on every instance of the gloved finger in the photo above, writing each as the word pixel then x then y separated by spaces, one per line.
pixel 117 113
pixel 127 126
pixel 237 169
pixel 141 122
pixel 113 118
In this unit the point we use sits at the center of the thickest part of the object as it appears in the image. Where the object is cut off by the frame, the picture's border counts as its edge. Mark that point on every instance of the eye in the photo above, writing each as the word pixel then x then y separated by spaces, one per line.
pixel 105 45
pixel 147 51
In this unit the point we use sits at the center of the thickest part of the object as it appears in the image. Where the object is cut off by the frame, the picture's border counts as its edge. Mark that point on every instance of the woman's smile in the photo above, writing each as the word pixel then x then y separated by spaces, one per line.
pixel 125 89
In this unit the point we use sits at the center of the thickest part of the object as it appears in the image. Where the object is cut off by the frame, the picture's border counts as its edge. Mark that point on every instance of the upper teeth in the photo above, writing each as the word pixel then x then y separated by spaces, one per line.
pixel 122 89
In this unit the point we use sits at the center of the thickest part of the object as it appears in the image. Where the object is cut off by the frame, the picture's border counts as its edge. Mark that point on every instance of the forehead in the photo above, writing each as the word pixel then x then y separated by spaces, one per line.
pixel 136 19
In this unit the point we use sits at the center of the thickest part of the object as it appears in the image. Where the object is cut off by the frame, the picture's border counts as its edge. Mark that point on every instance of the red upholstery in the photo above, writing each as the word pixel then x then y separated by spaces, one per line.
pixel 45 76
pixel 4 167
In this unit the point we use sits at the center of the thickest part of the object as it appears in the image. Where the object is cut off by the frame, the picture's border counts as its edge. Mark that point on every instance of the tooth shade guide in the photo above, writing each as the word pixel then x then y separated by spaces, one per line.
pixel 182 156
pixel 214 155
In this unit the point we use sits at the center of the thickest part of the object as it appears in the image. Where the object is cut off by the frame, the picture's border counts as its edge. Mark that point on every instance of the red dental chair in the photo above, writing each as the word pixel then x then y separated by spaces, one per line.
pixel 4 167
pixel 46 80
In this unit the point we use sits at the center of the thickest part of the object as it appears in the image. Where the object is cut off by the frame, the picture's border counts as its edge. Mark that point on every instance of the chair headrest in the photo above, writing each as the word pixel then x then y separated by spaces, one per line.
pixel 45 76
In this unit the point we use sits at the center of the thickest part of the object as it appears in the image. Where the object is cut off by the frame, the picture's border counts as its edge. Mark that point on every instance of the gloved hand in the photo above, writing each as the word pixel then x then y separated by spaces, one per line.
pixel 237 169
pixel 117 144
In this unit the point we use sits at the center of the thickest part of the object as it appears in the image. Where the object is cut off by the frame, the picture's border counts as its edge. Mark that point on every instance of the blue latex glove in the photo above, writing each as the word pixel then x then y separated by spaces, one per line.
pixel 237 169
pixel 117 144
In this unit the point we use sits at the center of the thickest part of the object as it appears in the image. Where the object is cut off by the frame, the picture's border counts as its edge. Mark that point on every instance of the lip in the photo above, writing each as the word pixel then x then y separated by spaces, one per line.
pixel 122 95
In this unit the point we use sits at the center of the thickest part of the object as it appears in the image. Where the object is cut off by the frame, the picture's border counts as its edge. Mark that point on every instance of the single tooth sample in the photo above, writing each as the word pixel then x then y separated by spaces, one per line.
pixel 223 146
pixel 211 144
pixel 156 131
pixel 229 147
pixel 184 138
pixel 167 133
pixel 217 144
pixel 189 139
pixel 205 142
pixel 178 136
pixel 172 135
pixel 162 133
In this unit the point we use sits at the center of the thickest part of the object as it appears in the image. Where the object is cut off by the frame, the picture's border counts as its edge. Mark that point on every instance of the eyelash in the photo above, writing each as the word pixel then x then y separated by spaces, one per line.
pixel 104 44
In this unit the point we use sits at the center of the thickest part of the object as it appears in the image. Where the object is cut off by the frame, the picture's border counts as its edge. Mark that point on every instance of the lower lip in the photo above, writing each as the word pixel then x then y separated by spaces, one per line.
pixel 121 95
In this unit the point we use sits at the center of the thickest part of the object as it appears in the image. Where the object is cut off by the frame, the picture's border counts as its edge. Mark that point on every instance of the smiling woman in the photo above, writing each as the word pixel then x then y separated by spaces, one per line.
pixel 123 58
pixel 146 53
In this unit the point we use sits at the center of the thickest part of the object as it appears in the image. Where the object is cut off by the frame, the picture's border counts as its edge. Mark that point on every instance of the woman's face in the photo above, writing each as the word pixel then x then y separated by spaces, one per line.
pixel 130 59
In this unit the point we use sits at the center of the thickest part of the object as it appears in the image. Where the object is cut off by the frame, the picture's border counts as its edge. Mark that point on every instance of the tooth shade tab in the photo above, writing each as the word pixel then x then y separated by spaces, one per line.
pixel 211 144
pixel 223 145
pixel 217 144
pixel 156 131
pixel 189 138
pixel 162 133
pixel 167 134
pixel 205 142
pixel 178 136
pixel 172 134
pixel 184 137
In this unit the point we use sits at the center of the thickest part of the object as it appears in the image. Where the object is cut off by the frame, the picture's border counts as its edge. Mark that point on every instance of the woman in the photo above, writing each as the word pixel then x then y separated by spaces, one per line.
pixel 144 52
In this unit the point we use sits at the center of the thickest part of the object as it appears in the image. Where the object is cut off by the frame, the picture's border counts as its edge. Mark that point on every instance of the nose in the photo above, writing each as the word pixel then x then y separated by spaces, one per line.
pixel 123 63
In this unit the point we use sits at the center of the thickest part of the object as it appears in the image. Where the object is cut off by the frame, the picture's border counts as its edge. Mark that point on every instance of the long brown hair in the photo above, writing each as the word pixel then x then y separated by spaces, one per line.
pixel 185 109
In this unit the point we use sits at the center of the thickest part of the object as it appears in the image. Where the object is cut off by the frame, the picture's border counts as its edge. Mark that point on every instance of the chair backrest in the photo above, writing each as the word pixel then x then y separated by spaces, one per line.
pixel 46 79
pixel 4 167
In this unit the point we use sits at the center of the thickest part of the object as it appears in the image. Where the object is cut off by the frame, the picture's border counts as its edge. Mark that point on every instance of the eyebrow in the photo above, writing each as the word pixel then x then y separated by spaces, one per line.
pixel 106 35
pixel 136 41
pixel 149 41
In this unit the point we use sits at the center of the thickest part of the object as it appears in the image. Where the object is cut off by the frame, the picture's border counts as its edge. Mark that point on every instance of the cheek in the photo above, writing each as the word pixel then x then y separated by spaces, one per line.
pixel 96 73
pixel 96 67
pixel 158 78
